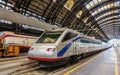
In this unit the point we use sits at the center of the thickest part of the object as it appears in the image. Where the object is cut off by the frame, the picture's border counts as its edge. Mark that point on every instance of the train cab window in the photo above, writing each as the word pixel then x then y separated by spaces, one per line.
pixel 69 36
pixel 49 37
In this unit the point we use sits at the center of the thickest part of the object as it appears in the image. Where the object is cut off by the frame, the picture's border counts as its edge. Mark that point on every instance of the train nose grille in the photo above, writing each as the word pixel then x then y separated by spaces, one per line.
pixel 37 52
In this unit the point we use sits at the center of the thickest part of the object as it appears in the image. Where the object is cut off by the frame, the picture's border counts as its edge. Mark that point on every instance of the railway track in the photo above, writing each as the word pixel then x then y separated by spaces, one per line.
pixel 23 66
pixel 52 71
pixel 48 71
pixel 11 58
pixel 14 66
pixel 42 71
pixel 28 67
pixel 22 55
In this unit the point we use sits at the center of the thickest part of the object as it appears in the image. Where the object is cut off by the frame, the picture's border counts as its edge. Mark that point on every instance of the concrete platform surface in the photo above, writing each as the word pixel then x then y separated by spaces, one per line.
pixel 104 64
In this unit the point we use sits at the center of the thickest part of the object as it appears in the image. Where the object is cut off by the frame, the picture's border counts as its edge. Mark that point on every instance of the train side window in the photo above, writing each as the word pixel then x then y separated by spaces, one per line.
pixel 69 36
pixel 84 41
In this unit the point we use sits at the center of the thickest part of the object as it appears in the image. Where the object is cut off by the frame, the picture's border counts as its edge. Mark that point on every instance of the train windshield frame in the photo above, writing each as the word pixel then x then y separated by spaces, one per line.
pixel 49 37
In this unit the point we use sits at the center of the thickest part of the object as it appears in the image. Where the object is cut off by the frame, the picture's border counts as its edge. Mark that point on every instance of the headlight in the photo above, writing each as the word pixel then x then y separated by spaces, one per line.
pixel 51 49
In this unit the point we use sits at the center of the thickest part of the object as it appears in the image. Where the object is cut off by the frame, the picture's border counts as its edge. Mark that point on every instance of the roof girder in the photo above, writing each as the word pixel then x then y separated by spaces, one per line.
pixel 107 16
pixel 107 10
pixel 112 19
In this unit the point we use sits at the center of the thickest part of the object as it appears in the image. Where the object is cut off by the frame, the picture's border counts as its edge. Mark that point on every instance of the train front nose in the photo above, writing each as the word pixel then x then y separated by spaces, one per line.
pixel 36 52
pixel 45 51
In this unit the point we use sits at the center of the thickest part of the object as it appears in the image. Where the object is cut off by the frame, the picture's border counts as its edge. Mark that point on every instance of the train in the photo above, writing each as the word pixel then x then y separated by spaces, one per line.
pixel 12 44
pixel 62 46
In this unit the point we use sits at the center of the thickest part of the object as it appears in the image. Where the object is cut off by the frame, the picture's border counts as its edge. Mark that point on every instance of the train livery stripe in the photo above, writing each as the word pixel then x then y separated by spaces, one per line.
pixel 62 51
pixel 27 47
pixel 43 59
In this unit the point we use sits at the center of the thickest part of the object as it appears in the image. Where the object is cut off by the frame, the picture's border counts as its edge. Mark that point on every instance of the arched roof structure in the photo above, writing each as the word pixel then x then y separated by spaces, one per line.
pixel 98 18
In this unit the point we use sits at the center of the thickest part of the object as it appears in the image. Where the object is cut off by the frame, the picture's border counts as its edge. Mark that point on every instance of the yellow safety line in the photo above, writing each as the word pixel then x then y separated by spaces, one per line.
pixel 72 70
pixel 116 66
pixel 10 61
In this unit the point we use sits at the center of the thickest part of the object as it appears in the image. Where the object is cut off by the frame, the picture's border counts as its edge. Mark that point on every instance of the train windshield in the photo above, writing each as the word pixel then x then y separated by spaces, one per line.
pixel 49 37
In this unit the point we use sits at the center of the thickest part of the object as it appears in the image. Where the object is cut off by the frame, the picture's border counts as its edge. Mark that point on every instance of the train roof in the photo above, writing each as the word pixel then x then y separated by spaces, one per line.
pixel 9 33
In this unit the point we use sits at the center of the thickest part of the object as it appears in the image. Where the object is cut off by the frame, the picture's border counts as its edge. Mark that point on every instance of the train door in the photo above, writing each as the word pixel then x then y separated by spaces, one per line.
pixel 77 48
pixel 66 43
pixel 84 45
pixel 69 43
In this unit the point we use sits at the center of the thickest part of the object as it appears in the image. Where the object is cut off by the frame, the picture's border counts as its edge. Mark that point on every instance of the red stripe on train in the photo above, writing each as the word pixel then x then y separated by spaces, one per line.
pixel 43 59
pixel 24 46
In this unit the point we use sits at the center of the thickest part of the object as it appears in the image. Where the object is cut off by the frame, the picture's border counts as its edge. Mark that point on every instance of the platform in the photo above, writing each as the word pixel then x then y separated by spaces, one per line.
pixel 106 63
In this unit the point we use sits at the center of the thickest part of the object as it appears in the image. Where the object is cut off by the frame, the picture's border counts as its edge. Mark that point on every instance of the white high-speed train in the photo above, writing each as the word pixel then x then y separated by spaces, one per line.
pixel 60 46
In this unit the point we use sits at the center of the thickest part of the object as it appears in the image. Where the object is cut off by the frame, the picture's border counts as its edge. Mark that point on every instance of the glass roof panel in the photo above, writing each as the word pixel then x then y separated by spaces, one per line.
pixel 107 13
pixel 105 19
pixel 114 22
pixel 88 6
pixel 116 11
pixel 79 13
pixel 110 5
pixel 99 0
pixel 85 19
pixel 69 4
pixel 106 22
pixel 94 13
pixel 117 3
pixel 93 3
pixel 103 7
pixel 116 16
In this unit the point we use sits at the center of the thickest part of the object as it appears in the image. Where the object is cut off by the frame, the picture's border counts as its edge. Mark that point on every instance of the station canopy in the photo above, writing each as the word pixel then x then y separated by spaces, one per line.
pixel 95 18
